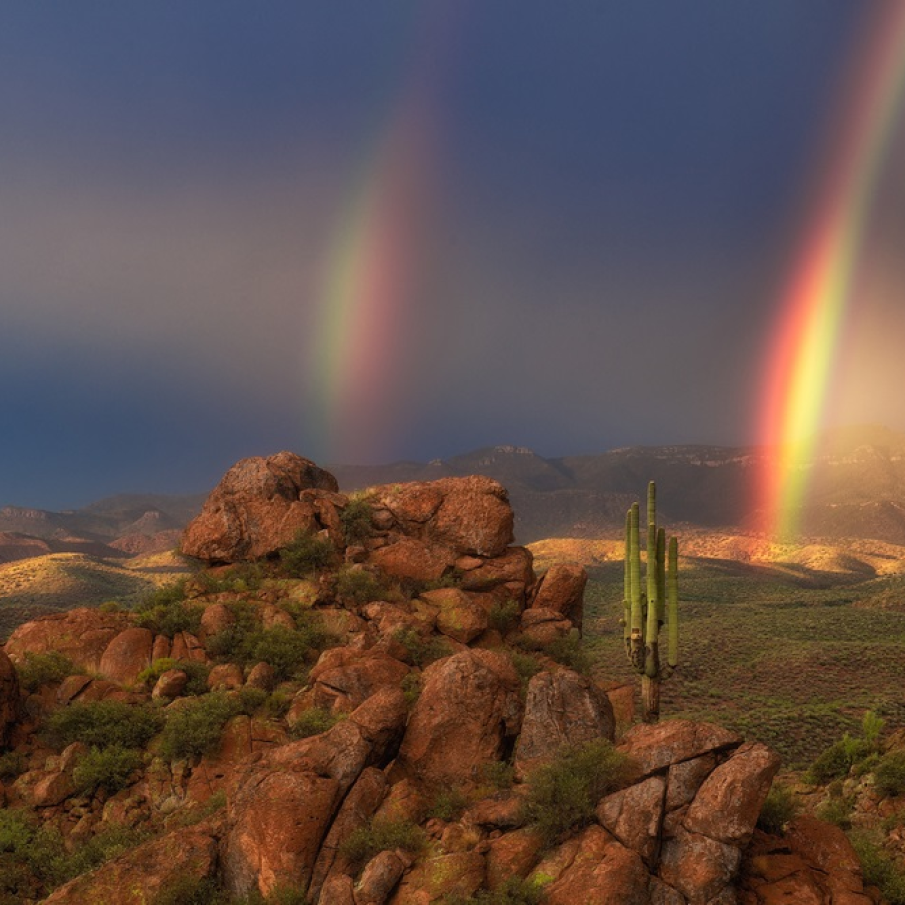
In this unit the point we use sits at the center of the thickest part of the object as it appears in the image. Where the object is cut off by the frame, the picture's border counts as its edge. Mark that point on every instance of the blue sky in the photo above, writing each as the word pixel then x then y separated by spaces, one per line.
pixel 615 191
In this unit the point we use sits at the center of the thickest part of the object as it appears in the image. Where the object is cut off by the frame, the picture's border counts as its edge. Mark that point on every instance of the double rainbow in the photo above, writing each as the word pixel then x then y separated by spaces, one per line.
pixel 821 289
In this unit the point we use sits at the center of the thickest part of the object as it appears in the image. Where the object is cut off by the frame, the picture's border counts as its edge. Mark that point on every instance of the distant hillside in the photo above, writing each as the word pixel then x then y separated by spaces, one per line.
pixel 857 485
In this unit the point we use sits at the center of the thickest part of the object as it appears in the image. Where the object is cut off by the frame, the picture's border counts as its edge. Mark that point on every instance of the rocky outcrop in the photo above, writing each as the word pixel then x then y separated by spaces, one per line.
pixel 259 506
pixel 469 706
pixel 81 635
pixel 562 709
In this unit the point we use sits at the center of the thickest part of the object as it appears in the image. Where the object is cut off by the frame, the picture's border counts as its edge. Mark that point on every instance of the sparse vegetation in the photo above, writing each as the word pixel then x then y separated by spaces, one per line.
pixel 313 722
pixel 778 810
pixel 422 648
pixel 103 724
pixel 512 891
pixel 355 518
pixel 889 774
pixel 366 841
pixel 105 768
pixel 563 794
pixel 307 554
pixel 36 670
pixel 504 616
pixel 195 728
pixel 880 869
pixel 356 585
pixel 167 612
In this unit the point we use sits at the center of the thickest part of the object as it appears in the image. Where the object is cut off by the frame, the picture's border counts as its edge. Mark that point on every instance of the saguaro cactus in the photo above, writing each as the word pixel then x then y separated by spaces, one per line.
pixel 646 612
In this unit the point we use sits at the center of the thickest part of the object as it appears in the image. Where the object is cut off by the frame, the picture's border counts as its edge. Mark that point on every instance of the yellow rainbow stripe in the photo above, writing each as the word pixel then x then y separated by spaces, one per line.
pixel 820 292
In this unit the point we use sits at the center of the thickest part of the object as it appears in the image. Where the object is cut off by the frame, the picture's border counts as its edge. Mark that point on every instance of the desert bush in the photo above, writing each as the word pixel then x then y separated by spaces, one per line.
pixel 570 652
pixel 314 721
pixel 837 760
pixel 504 616
pixel 448 804
pixel 889 774
pixel 188 890
pixel 499 775
pixel 196 672
pixel 194 729
pixel 837 810
pixel 366 841
pixel 105 768
pixel 42 669
pixel 355 519
pixel 525 664
pixel 512 891
pixel 102 724
pixel 286 650
pixel 563 794
pixel 12 764
pixel 422 649
pixel 778 810
pixel 358 586
pixel 165 611
pixel 306 554
pixel 880 869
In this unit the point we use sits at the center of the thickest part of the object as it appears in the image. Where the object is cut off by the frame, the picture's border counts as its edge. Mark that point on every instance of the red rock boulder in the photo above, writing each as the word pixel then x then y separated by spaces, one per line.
pixel 258 507
pixel 469 704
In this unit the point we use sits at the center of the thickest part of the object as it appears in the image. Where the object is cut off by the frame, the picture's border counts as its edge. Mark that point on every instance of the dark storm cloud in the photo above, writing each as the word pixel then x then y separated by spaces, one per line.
pixel 615 194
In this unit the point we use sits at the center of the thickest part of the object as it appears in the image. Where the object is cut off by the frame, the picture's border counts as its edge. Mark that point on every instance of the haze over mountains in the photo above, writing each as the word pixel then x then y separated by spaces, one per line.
pixel 857 489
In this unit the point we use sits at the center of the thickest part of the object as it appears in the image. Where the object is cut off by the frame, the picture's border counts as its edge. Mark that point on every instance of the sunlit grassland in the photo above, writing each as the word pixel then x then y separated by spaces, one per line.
pixel 789 657
pixel 62 581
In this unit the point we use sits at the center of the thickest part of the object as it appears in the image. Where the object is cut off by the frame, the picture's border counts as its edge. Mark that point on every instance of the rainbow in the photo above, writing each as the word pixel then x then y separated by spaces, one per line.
pixel 821 287
pixel 372 272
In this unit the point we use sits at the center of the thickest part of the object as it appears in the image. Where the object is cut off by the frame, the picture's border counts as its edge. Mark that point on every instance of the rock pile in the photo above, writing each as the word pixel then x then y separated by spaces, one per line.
pixel 429 722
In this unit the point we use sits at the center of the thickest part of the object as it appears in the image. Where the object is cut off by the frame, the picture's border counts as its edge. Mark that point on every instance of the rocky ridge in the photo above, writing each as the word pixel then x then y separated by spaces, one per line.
pixel 387 660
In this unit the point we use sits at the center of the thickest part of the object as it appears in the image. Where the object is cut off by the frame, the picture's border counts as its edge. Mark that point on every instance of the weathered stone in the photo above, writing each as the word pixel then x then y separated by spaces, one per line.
pixel 469 703
pixel 602 870
pixel 697 866
pixel 411 558
pixel 140 874
pixel 562 708
pixel 685 779
pixel 729 801
pixel 379 878
pixel 561 588
pixel 356 811
pixel 127 655
pixel 513 855
pixel 657 746
pixel 459 617
pixel 514 566
pixel 171 684
pixel 456 874
pixel 544 626
pixel 81 635
pixel 187 647
pixel 635 816
pixel 225 676
pixel 256 509
pixel 216 618
pixel 344 678
pixel 263 676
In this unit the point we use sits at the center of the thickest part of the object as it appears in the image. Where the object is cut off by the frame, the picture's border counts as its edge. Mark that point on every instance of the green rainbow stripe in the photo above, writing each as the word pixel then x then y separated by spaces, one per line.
pixel 820 292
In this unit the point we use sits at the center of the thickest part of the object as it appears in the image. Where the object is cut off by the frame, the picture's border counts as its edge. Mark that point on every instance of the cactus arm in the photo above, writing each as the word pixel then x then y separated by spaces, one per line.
pixel 672 582
pixel 637 622
pixel 661 577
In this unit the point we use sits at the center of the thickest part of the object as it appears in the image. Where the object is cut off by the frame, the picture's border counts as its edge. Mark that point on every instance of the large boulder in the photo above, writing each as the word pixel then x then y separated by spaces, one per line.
pixel 81 635
pixel 561 588
pixel 562 709
pixel 127 655
pixel 468 515
pixel 469 705
pixel 259 506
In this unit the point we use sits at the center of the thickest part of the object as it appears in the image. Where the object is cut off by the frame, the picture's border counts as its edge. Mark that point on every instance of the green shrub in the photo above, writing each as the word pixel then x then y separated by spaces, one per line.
pixel 411 688
pixel 357 585
pixel 167 612
pixel 286 650
pixel 880 869
pixel 504 616
pixel 102 724
pixel 306 554
pixel 422 649
pixel 570 652
pixel 526 665
pixel 108 768
pixel 562 795
pixel 314 721
pixel 512 891
pixel 12 764
pixel 196 673
pixel 194 729
pixel 889 775
pixel 43 669
pixel 355 519
pixel 382 835
pixel 448 804
pixel 498 775
pixel 833 763
pixel 189 890
pixel 837 810
pixel 871 728
pixel 779 809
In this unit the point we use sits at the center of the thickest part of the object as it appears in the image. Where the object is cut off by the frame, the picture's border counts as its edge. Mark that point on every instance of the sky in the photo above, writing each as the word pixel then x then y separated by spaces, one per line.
pixel 405 230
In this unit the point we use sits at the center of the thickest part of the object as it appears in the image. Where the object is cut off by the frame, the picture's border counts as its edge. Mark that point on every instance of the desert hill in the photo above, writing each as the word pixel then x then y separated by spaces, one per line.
pixel 389 708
